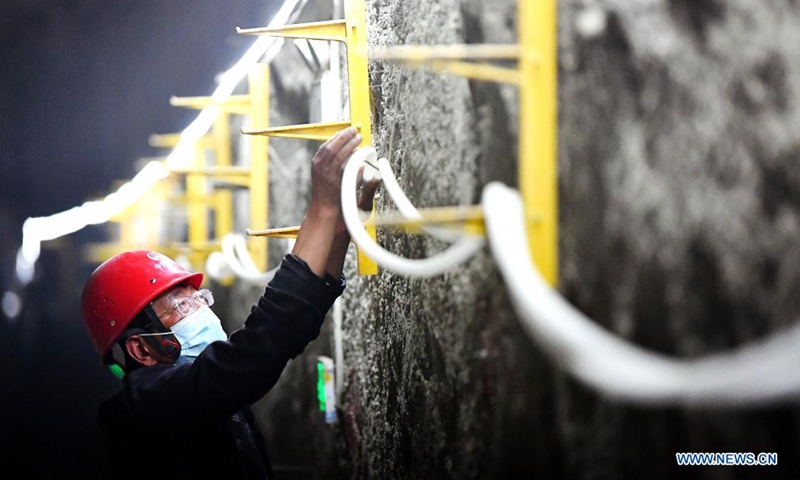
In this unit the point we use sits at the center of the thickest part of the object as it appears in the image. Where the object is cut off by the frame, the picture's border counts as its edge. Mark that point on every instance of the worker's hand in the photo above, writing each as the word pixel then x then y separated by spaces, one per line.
pixel 323 240
pixel 327 169
pixel 365 196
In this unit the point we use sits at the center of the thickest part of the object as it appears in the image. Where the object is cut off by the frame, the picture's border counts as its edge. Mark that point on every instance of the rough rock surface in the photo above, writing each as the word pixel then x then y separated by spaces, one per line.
pixel 679 199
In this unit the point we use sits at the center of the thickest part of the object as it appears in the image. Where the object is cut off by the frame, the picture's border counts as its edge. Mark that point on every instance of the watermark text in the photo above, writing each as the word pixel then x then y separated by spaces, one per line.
pixel 727 458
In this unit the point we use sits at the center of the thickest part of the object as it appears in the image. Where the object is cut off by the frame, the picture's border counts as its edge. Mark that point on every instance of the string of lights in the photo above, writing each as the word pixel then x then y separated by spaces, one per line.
pixel 36 230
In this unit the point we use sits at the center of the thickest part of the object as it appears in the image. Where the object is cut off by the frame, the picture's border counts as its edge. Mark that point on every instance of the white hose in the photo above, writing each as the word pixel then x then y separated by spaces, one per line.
pixel 238 259
pixel 458 252
pixel 404 205
pixel 762 372
pixel 216 267
pixel 243 254
pixel 338 349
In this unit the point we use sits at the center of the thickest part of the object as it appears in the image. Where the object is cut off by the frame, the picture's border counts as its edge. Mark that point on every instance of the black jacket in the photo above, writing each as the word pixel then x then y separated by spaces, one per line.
pixel 193 421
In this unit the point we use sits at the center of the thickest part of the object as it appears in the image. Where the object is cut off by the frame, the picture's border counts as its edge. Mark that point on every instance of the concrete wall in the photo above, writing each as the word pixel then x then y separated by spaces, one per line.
pixel 679 198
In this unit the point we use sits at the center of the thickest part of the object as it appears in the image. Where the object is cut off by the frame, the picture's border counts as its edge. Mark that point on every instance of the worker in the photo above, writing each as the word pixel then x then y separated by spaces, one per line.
pixel 183 409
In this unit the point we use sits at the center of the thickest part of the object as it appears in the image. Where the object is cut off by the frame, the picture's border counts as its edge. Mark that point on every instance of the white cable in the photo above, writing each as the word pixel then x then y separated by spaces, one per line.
pixel 35 230
pixel 759 373
pixel 238 259
pixel 229 255
pixel 404 205
pixel 439 263
pixel 216 267
pixel 338 348
pixel 399 197
pixel 243 254
pixel 253 274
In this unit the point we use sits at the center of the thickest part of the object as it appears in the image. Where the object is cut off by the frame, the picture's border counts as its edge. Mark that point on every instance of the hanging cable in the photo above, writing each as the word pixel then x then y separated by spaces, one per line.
pixel 35 230
pixel 237 257
pixel 217 268
pixel 404 205
pixel 460 251
pixel 759 373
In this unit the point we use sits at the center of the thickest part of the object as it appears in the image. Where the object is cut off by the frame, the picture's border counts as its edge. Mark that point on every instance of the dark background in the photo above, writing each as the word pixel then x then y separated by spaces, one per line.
pixel 82 86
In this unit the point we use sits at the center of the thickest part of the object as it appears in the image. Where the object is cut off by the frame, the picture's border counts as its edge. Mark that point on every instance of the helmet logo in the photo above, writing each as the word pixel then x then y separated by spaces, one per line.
pixel 155 256
pixel 161 262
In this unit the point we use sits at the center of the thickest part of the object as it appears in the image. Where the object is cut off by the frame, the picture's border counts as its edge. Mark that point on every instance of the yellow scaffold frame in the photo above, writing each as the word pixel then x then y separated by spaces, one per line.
pixel 536 78
pixel 198 195
pixel 352 31
pixel 254 177
pixel 196 198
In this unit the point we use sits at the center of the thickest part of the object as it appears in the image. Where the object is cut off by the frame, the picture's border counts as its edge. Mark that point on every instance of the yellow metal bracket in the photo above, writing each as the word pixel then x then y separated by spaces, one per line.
pixel 352 31
pixel 535 76
pixel 283 232
pixel 310 131
pixel 254 177
pixel 453 59
pixel 198 198
pixel 333 30
pixel 467 220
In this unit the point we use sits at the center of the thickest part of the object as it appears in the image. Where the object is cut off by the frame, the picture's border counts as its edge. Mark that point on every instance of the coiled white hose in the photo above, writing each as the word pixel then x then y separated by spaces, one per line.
pixel 236 258
pixel 761 372
pixel 466 247
pixel 404 205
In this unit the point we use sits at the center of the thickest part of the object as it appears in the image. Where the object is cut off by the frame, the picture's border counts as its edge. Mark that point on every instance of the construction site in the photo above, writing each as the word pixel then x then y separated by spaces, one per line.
pixel 579 263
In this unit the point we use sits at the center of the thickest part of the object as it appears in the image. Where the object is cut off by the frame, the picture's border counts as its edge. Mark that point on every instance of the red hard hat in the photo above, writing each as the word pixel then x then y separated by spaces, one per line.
pixel 121 287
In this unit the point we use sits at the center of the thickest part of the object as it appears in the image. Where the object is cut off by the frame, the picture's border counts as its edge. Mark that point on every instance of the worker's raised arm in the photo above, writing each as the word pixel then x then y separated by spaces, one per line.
pixel 321 242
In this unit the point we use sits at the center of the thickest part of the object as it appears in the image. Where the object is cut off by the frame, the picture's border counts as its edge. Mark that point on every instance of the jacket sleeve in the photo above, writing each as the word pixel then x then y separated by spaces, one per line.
pixel 230 375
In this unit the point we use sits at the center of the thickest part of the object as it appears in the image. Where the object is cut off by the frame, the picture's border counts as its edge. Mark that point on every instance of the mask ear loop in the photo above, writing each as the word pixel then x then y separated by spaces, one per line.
pixel 164 346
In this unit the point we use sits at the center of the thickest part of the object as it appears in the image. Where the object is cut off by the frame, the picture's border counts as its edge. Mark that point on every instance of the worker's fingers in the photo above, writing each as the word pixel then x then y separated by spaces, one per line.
pixel 328 150
pixel 342 155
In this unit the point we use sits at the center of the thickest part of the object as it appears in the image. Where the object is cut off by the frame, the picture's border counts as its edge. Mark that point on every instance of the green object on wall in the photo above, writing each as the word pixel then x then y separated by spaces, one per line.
pixel 321 385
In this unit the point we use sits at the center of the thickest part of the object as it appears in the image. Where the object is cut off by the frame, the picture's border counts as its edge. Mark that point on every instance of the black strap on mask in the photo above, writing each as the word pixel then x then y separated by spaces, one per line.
pixel 164 346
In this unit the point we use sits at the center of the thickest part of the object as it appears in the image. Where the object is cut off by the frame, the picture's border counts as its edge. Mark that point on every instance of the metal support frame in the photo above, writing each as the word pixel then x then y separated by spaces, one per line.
pixel 466 219
pixel 255 177
pixel 535 76
pixel 352 31
pixel 199 196
pixel 258 82
pixel 196 198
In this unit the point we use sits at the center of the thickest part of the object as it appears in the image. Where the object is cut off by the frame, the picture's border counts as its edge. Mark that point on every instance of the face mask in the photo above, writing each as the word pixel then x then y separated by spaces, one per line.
pixel 196 332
